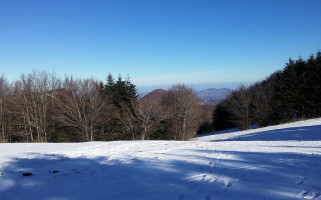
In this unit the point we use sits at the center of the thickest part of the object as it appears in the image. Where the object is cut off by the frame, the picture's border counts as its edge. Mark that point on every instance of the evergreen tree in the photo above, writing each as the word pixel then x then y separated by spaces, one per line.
pixel 313 86
pixel 121 91
pixel 317 83
pixel 123 94
pixel 287 92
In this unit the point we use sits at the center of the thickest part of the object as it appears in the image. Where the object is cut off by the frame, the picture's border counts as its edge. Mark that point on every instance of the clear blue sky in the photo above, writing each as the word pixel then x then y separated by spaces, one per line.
pixel 157 42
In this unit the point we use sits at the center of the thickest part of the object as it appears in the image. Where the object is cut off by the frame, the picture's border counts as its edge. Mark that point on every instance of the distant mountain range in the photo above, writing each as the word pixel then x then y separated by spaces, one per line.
pixel 211 96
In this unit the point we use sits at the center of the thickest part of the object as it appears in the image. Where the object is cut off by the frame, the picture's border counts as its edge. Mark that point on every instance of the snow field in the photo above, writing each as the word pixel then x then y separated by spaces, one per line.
pixel 278 162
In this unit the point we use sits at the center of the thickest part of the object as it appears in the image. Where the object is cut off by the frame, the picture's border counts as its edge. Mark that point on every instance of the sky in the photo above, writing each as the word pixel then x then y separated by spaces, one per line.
pixel 157 42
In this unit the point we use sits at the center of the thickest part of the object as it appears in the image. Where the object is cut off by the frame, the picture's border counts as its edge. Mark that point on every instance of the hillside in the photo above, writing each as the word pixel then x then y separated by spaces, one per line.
pixel 213 96
pixel 155 95
pixel 277 162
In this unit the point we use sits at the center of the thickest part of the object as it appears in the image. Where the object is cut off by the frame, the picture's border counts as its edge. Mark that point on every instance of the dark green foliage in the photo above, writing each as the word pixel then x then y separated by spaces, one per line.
pixel 298 89
pixel 287 92
pixel 313 86
pixel 123 94
pixel 163 131
pixel 120 91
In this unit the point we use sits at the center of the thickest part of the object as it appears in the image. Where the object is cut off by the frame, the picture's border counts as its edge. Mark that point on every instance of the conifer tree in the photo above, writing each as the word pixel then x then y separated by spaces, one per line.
pixel 287 92
pixel 123 94
pixel 121 91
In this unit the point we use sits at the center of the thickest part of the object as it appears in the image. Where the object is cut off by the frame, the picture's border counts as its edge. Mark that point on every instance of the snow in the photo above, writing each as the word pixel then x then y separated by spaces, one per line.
pixel 277 162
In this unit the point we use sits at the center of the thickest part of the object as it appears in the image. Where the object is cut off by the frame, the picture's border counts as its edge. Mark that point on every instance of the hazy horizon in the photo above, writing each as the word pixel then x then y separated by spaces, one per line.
pixel 197 87
pixel 144 89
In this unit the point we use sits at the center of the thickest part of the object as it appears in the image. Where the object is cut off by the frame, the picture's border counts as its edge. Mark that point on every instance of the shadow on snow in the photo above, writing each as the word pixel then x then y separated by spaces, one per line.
pixel 246 175
pixel 304 133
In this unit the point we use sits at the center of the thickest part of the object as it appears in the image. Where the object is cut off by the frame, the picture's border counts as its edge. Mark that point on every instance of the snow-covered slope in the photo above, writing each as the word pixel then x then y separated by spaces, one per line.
pixel 280 162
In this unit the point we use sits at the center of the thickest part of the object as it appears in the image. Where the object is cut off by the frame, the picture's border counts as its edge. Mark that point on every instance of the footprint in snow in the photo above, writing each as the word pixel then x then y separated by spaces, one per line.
pixel 205 177
pixel 212 180
pixel 212 164
pixel 209 179
pixel 308 195
pixel 227 183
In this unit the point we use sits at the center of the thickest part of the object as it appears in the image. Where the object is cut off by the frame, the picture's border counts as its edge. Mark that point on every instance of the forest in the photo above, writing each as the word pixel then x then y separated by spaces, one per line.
pixel 41 107
pixel 293 93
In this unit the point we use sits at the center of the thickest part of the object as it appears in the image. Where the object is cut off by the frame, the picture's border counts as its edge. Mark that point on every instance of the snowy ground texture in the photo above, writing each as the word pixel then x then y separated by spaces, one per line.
pixel 279 162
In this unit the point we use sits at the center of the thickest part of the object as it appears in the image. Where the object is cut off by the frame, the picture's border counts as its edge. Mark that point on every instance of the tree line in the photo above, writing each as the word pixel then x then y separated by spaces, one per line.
pixel 41 107
pixel 288 94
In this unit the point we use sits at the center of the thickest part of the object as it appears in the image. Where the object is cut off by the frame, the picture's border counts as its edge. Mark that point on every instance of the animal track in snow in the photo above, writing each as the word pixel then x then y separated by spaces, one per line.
pixel 204 177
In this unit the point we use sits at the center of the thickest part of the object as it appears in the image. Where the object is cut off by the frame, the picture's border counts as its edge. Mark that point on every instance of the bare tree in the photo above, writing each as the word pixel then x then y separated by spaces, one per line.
pixel 33 103
pixel 141 117
pixel 4 95
pixel 261 108
pixel 82 105
pixel 148 114
pixel 237 105
pixel 181 103
pixel 128 118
